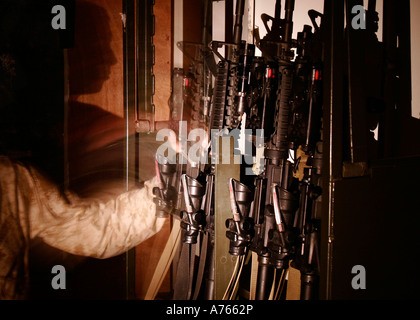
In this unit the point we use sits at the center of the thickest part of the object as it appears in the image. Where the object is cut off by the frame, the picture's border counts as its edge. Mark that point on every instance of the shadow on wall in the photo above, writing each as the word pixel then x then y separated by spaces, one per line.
pixel 96 137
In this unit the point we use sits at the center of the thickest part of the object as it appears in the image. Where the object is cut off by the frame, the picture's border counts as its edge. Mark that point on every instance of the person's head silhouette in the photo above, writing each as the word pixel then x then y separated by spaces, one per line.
pixel 91 57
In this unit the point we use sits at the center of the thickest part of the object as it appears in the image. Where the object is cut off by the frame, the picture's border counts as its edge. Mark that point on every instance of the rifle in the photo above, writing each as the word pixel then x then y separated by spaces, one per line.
pixel 191 195
pixel 293 233
pixel 276 48
pixel 229 102
pixel 309 155
pixel 285 204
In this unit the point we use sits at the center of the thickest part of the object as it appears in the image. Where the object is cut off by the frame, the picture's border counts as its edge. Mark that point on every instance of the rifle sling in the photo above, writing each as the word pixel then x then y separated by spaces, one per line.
pixel 201 266
pixel 185 272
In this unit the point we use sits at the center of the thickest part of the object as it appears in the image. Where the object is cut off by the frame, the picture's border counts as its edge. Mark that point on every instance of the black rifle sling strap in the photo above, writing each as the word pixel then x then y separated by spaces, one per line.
pixel 181 281
pixel 193 249
pixel 185 272
pixel 201 266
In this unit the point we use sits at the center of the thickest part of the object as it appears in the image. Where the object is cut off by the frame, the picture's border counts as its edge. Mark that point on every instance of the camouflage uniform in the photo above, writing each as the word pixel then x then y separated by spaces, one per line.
pixel 32 206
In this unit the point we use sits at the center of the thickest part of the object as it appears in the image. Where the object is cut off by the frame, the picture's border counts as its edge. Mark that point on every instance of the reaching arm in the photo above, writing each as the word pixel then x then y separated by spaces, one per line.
pixel 90 228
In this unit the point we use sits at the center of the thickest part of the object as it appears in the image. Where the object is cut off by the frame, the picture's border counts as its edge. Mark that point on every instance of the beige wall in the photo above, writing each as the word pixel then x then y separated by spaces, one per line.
pixel 163 58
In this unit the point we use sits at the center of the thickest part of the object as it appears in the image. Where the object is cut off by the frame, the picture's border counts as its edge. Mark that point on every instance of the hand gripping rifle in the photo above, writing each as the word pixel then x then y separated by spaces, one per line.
pixel 229 102
pixel 196 183
pixel 182 191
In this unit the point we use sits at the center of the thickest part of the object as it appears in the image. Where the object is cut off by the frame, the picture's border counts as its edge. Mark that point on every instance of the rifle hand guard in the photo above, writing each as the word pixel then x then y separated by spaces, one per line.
pixel 240 235
pixel 193 218
pixel 240 226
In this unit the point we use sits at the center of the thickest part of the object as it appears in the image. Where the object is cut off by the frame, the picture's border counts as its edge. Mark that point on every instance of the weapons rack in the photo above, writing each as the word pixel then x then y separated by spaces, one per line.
pixel 367 211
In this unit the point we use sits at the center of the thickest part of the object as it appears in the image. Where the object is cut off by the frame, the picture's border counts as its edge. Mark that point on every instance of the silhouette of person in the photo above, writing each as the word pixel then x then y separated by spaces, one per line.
pixel 32 202
pixel 95 136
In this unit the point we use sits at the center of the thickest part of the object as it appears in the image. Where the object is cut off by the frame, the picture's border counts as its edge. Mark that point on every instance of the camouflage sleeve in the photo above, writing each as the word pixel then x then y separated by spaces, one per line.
pixel 92 228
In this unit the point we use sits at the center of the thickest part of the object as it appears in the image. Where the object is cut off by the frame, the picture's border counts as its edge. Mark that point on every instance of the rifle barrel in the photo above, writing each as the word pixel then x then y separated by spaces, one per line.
pixel 237 31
